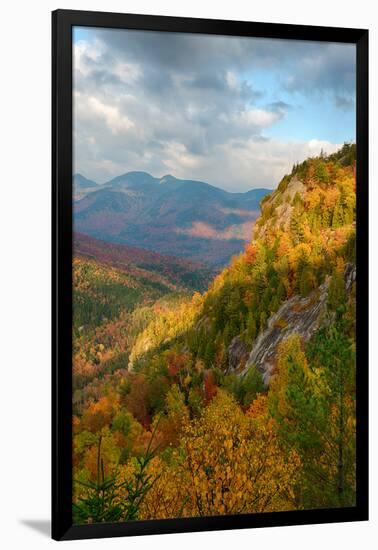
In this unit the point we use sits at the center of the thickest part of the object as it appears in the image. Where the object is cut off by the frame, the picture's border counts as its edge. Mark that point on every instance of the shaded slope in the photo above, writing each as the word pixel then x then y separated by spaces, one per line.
pixel 175 273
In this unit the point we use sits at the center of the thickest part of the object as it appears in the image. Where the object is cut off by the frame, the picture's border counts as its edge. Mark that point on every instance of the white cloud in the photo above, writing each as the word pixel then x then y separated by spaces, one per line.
pixel 117 122
pixel 128 72
pixel 240 166
pixel 232 80
pixel 260 117
pixel 147 102
pixel 86 56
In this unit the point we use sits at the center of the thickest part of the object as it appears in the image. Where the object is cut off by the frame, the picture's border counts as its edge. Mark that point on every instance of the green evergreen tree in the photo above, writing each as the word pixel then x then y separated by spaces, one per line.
pixel 251 328
pixel 321 171
pixel 306 282
pixel 336 291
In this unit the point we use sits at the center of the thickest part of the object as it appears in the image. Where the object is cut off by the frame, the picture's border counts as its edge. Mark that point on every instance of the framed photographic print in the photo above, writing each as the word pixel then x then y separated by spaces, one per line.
pixel 210 283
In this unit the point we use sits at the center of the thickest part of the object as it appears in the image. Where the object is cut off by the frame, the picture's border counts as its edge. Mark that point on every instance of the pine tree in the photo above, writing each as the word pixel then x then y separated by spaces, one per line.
pixel 251 328
pixel 321 172
pixel 306 282
pixel 336 291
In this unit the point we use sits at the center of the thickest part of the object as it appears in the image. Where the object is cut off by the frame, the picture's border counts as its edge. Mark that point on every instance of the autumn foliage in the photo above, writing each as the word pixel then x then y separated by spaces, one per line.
pixel 163 428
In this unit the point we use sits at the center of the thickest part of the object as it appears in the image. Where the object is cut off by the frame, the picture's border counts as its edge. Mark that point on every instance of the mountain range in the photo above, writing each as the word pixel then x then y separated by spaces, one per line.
pixel 183 218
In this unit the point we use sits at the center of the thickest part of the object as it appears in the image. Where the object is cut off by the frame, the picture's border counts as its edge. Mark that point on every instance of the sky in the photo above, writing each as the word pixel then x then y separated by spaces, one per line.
pixel 234 112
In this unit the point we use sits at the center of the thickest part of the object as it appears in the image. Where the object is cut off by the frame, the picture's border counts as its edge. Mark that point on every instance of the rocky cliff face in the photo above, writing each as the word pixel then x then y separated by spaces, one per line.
pixel 298 315
pixel 283 210
pixel 237 353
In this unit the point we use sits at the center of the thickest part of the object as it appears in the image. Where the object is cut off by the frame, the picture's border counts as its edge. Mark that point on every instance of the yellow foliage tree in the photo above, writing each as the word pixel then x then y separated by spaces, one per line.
pixel 228 462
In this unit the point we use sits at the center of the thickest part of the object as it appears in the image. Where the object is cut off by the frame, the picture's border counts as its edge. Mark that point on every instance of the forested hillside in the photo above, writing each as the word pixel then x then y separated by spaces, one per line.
pixel 240 399
pixel 175 273
pixel 117 289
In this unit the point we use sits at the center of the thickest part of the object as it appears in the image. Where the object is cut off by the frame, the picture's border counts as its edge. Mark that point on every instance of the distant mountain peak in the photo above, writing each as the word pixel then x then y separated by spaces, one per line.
pixel 133 178
pixel 81 181
pixel 138 173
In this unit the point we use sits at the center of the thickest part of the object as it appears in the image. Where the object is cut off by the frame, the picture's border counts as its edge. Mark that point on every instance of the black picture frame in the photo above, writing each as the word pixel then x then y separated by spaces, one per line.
pixel 62 23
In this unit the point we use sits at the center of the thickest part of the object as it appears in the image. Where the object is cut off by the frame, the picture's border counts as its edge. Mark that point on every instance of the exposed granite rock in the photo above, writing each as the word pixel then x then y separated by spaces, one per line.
pixel 284 210
pixel 349 276
pixel 298 315
pixel 237 353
